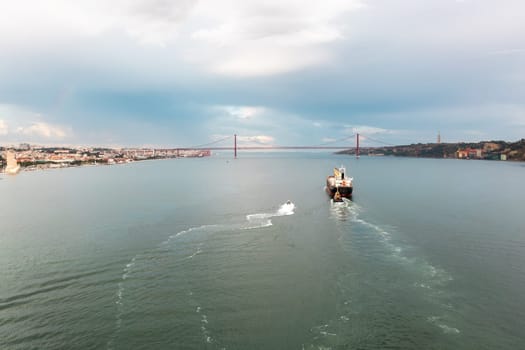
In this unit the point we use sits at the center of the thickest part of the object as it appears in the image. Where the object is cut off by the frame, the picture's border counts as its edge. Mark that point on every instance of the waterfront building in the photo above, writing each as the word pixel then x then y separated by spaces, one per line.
pixel 12 164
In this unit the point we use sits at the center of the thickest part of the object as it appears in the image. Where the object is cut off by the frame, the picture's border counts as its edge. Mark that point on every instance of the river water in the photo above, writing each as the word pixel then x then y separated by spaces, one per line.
pixel 202 254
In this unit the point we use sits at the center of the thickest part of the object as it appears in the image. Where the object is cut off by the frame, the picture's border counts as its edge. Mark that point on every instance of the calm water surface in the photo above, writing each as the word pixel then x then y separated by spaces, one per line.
pixel 200 254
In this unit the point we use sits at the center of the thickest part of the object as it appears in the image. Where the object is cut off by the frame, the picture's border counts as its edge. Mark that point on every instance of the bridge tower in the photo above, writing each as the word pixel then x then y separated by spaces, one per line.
pixel 357 146
pixel 235 146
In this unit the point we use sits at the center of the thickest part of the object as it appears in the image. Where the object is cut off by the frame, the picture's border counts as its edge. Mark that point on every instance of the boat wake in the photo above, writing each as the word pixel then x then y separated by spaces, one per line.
pixel 286 209
pixel 363 239
pixel 191 239
pixel 438 321
pixel 264 219
pixel 344 210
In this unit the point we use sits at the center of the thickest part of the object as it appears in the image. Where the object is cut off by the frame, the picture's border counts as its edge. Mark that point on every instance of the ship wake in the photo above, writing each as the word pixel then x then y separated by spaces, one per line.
pixel 187 245
pixel 264 219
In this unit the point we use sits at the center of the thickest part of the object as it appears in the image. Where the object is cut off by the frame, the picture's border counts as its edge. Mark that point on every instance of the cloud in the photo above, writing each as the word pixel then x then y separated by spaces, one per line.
pixel 243 140
pixel 279 126
pixel 456 123
pixel 20 124
pixel 394 65
pixel 271 37
pixel 260 140
pixel 250 61
pixel 155 22
pixel 151 22
pixel 241 120
pixel 365 129
pixel 232 37
pixel 242 112
pixel 44 130
pixel 507 52
pixel 4 129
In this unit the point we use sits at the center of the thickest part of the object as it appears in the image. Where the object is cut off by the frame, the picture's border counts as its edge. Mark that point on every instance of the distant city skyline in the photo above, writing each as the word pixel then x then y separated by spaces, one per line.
pixel 159 73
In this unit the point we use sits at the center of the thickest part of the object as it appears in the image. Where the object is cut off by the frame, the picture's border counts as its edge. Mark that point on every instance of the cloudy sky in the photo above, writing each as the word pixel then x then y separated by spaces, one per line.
pixel 284 72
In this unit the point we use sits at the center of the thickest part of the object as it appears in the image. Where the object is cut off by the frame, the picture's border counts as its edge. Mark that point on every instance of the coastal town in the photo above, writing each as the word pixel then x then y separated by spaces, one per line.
pixel 26 157
pixel 484 150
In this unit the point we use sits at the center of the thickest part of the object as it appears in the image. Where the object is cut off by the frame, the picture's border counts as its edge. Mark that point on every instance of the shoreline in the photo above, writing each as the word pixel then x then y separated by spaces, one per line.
pixel 58 166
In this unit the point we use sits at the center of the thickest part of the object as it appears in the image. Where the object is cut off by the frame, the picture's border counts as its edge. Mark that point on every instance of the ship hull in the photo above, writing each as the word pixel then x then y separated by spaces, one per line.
pixel 338 185
pixel 344 191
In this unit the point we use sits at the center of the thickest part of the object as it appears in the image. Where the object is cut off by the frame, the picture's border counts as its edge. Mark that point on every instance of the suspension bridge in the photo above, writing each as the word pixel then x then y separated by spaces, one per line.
pixel 236 146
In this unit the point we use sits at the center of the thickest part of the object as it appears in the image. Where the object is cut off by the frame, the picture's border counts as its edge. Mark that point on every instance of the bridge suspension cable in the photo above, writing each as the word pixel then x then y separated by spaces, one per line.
pixel 378 141
pixel 213 142
pixel 346 138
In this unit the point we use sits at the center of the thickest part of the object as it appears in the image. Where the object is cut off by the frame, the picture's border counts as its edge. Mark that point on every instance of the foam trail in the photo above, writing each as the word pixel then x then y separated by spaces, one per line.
pixel 126 273
pixel 435 320
pixel 120 296
pixel 255 221
pixel 286 209
pixel 204 329
pixel 343 211
pixel 263 219
pixel 198 251
pixel 191 229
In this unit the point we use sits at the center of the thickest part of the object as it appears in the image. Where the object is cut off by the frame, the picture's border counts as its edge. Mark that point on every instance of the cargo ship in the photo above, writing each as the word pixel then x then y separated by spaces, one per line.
pixel 339 185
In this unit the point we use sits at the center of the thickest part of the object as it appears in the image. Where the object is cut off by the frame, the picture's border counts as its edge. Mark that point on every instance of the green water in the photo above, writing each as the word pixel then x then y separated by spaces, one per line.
pixel 200 254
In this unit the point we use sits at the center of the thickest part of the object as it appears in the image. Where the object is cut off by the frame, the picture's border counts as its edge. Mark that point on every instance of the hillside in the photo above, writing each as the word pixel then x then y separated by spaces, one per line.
pixel 480 150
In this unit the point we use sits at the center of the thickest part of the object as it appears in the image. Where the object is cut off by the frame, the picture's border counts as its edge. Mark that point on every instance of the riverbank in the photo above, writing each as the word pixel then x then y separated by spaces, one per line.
pixel 488 150
pixel 55 158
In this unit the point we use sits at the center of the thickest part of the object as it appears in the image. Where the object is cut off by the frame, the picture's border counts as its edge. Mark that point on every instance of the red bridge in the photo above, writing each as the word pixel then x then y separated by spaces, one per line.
pixel 235 147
